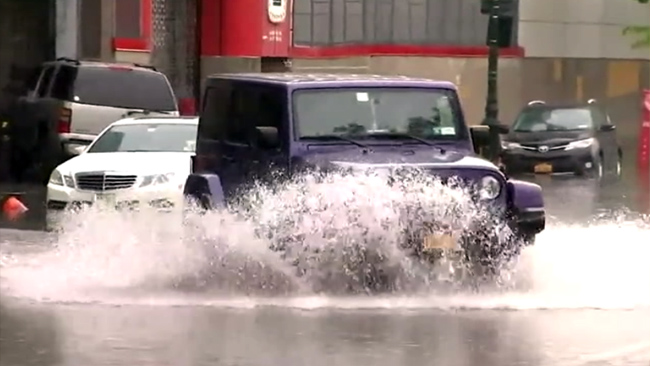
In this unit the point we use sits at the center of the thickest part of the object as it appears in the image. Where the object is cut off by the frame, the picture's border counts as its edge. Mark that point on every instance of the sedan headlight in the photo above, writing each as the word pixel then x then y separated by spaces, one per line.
pixel 490 188
pixel 580 144
pixel 507 145
pixel 156 179
pixel 56 178
pixel 59 179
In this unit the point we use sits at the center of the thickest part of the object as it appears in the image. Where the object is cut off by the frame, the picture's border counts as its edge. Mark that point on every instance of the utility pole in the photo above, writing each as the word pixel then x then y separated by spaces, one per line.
pixel 491 101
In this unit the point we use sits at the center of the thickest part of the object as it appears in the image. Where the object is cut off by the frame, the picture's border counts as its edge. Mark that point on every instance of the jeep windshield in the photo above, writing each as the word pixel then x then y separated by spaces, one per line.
pixel 119 87
pixel 545 119
pixel 405 114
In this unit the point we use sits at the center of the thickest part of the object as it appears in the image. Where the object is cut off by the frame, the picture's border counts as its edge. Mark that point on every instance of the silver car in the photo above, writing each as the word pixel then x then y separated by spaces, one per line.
pixel 76 100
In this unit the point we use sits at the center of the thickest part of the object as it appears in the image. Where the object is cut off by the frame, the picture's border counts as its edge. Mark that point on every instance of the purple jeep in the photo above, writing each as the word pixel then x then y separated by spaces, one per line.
pixel 253 123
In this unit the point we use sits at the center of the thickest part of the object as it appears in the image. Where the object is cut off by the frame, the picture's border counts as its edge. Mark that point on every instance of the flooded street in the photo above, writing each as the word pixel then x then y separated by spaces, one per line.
pixel 580 296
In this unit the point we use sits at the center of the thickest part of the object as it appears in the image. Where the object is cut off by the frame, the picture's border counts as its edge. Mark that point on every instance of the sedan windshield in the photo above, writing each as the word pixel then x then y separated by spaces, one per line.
pixel 410 114
pixel 146 138
pixel 547 119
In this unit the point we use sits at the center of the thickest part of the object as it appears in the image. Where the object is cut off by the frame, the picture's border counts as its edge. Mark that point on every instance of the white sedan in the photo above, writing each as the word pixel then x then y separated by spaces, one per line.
pixel 134 162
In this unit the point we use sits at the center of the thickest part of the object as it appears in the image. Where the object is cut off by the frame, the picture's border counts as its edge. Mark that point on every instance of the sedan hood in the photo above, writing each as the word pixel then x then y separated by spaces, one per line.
pixel 138 163
pixel 547 137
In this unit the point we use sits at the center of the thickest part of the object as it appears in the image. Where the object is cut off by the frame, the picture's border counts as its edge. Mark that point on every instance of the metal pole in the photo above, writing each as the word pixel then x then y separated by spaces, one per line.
pixel 491 101
pixel 198 52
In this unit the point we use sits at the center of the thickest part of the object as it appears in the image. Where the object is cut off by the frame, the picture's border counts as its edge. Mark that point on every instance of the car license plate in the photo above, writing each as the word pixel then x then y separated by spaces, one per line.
pixel 544 168
pixel 439 241
pixel 105 198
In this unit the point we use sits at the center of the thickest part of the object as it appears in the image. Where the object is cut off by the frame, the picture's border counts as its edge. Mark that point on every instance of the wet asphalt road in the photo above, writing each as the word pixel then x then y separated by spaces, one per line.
pixel 539 327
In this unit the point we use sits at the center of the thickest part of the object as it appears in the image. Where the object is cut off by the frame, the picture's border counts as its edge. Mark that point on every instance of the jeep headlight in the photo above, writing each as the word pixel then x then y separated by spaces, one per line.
pixel 490 188
pixel 580 144
pixel 156 179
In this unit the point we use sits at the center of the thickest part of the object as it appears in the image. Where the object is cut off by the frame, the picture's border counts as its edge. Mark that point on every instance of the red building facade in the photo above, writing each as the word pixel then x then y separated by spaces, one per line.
pixel 442 39
pixel 322 28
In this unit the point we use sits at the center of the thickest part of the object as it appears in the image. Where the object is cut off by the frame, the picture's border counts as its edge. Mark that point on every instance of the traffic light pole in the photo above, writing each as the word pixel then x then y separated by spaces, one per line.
pixel 491 100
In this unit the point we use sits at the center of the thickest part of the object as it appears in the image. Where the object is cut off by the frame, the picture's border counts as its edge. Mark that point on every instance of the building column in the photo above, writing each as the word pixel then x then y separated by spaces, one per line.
pixel 67 26
pixel 107 30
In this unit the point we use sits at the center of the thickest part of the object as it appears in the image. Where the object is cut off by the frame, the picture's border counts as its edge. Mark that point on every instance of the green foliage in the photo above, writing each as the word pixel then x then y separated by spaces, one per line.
pixel 640 32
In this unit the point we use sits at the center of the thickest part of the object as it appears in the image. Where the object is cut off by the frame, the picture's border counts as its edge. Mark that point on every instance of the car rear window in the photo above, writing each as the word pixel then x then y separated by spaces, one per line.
pixel 120 87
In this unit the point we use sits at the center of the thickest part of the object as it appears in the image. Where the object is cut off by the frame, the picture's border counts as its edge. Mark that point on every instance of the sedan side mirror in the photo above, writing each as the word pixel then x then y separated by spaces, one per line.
pixel 503 129
pixel 607 128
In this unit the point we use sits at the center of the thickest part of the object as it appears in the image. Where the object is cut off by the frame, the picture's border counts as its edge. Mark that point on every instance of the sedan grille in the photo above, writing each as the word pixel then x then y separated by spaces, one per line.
pixel 104 182
pixel 548 147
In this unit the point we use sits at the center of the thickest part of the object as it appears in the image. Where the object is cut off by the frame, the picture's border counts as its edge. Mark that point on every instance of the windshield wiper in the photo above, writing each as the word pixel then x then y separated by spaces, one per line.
pixel 336 137
pixel 407 136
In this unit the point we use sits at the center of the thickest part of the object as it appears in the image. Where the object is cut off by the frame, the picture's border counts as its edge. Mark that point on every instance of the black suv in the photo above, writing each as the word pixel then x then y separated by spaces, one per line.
pixel 578 139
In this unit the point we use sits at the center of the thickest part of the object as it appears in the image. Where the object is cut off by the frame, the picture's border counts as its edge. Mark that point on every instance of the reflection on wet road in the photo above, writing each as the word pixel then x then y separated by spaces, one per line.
pixel 101 335
pixel 575 299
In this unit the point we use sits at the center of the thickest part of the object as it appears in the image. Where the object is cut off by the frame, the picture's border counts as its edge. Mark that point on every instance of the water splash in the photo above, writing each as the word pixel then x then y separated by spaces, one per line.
pixel 148 257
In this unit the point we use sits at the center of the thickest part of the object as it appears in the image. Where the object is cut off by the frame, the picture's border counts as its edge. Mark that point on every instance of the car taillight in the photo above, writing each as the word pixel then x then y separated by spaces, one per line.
pixel 63 125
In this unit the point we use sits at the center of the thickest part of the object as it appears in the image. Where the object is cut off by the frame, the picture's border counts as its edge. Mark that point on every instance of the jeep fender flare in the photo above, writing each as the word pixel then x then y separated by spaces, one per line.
pixel 205 189
pixel 526 207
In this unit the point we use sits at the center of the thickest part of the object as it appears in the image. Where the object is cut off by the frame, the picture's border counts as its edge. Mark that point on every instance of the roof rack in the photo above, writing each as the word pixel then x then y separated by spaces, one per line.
pixel 145 66
pixel 536 102
pixel 592 101
pixel 68 59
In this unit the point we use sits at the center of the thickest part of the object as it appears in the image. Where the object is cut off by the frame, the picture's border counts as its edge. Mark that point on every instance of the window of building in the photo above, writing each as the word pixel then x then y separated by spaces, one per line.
pixel 128 16
pixel 132 25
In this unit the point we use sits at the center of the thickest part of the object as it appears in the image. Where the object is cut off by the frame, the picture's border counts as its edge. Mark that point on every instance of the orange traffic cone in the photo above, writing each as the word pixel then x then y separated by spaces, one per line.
pixel 13 209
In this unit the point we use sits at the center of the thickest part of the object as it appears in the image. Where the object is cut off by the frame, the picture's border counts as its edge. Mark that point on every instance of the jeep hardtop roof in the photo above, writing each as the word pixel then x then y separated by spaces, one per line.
pixel 322 79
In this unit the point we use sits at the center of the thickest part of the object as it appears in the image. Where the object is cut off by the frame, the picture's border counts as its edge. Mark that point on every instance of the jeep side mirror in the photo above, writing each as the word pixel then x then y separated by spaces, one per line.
pixel 268 137
pixel 480 137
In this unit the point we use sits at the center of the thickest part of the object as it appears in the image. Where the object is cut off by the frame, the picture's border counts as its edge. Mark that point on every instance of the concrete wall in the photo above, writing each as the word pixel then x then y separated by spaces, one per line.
pixel 581 28
pixel 138 57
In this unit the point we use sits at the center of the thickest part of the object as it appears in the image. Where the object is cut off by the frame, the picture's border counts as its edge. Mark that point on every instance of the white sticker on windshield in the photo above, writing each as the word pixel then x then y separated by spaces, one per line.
pixel 447 131
pixel 362 97
pixel 151 129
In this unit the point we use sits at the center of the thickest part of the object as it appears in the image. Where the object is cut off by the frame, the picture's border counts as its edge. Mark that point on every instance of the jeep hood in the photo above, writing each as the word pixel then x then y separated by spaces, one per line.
pixel 387 158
